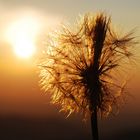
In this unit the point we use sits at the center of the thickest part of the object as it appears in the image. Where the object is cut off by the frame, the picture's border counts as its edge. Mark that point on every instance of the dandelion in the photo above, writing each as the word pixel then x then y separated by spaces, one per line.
pixel 78 71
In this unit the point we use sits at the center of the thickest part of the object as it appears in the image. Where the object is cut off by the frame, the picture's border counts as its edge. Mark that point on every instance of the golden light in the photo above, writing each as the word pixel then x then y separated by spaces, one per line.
pixel 22 35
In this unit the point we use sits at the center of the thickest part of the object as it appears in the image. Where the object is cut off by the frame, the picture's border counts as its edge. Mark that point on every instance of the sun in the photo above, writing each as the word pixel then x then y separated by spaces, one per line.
pixel 22 35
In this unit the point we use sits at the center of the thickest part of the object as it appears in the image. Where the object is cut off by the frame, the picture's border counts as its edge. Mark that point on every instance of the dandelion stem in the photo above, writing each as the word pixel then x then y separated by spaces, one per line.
pixel 94 125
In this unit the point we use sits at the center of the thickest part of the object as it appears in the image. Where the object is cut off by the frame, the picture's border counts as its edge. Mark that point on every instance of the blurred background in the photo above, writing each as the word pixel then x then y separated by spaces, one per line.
pixel 25 111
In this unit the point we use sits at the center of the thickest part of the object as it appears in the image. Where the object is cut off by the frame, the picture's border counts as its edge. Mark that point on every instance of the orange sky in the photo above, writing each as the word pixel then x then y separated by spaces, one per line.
pixel 20 94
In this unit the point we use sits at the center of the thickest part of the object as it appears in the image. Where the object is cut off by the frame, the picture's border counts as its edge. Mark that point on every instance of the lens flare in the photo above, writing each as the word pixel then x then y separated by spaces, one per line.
pixel 22 36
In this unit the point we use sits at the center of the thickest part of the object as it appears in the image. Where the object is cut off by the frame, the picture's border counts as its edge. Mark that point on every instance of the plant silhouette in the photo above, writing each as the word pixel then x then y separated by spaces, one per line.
pixel 78 68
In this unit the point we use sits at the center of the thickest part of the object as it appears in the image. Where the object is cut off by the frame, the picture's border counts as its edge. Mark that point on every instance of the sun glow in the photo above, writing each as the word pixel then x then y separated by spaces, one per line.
pixel 22 36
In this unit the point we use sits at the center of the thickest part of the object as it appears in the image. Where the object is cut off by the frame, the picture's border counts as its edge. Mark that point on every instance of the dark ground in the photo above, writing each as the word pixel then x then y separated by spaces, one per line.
pixel 18 128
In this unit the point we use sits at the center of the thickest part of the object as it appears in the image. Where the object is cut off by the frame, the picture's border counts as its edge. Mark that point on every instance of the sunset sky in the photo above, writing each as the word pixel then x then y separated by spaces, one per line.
pixel 24 26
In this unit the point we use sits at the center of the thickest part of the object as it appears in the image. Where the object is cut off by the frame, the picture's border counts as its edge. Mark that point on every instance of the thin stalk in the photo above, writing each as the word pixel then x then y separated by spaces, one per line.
pixel 94 125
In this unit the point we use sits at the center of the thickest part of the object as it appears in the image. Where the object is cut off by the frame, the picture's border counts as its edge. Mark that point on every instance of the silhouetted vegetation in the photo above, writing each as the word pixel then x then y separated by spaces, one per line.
pixel 79 65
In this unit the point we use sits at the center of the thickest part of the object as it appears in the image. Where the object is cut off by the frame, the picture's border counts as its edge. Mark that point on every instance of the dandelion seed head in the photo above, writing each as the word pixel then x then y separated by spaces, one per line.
pixel 78 68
